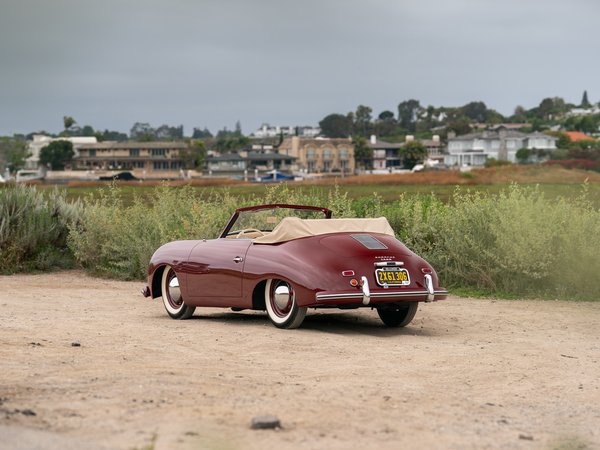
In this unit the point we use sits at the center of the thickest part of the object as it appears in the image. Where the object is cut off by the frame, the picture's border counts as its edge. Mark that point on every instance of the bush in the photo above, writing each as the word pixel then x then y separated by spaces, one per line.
pixel 582 164
pixel 118 241
pixel 493 162
pixel 34 229
pixel 516 243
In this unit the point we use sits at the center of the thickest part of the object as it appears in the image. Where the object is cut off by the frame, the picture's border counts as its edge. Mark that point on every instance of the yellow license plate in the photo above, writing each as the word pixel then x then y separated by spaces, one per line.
pixel 392 276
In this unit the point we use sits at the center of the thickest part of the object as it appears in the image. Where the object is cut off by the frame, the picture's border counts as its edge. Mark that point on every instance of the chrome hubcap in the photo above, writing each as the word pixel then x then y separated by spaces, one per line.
pixel 282 297
pixel 174 290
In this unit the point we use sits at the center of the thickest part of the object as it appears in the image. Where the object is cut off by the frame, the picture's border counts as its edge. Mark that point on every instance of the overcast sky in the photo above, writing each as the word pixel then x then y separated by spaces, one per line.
pixel 210 63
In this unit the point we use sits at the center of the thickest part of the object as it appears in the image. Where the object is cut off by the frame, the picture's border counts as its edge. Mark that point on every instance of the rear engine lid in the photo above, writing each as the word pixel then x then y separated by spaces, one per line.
pixel 363 245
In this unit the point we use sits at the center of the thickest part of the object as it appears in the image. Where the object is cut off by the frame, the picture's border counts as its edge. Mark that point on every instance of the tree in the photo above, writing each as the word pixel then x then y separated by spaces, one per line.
pixel 564 141
pixel 142 131
pixel 336 126
pixel 15 151
pixel 57 154
pixel 476 111
pixel 238 129
pixel 167 132
pixel 87 130
pixel 362 120
pixel 459 126
pixel 585 103
pixel 201 134
pixel 386 116
pixel 231 143
pixel 108 135
pixel 519 115
pixel 363 154
pixel 408 112
pixel 385 124
pixel 193 155
pixel 523 155
pixel 551 107
pixel 68 122
pixel 412 153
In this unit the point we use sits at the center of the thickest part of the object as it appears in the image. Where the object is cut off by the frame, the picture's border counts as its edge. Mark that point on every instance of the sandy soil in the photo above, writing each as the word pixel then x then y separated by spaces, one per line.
pixel 465 374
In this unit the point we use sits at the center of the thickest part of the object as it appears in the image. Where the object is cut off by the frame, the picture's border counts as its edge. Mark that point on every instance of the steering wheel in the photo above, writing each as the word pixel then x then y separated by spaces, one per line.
pixel 247 231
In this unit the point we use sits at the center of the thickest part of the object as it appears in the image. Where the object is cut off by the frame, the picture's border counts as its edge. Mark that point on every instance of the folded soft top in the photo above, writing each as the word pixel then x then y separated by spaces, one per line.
pixel 291 228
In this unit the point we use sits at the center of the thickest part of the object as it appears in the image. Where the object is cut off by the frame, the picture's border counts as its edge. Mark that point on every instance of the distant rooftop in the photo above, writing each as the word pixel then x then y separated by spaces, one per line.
pixel 578 136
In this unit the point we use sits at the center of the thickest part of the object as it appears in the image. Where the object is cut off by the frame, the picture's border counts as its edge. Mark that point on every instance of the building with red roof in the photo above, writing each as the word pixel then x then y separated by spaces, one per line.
pixel 578 136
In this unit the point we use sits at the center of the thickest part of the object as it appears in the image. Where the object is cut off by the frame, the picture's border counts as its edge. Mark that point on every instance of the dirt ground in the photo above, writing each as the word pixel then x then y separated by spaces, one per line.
pixel 89 363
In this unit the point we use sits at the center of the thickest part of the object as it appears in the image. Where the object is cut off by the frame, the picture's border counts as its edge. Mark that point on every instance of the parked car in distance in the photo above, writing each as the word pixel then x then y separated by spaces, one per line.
pixel 122 176
pixel 286 259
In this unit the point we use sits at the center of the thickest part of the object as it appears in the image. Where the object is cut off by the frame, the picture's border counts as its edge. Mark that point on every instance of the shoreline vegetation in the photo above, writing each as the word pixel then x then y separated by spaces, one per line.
pixel 532 239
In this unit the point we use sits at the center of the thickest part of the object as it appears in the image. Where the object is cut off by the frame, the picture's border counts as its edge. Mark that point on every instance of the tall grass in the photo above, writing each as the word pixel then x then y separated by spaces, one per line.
pixel 515 243
pixel 34 229
pixel 116 240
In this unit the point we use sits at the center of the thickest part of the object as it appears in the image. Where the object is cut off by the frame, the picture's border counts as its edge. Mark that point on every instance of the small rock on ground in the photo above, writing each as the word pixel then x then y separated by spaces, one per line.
pixel 265 423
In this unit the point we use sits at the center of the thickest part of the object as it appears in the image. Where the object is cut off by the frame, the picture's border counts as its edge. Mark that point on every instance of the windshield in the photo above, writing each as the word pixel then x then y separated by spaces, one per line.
pixel 265 220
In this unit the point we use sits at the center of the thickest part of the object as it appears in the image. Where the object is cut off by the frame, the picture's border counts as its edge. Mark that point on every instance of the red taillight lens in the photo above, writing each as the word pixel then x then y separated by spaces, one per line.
pixel 348 273
pixel 426 270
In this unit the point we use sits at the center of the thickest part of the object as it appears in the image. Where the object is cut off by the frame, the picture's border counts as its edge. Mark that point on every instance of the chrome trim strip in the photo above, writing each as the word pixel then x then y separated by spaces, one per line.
pixel 389 264
pixel 352 295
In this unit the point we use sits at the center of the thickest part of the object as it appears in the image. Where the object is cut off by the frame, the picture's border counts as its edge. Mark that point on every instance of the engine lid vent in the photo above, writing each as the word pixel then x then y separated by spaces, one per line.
pixel 369 241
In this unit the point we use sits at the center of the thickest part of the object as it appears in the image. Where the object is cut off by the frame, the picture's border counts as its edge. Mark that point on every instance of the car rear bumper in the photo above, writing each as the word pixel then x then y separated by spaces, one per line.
pixel 418 295
pixel 368 297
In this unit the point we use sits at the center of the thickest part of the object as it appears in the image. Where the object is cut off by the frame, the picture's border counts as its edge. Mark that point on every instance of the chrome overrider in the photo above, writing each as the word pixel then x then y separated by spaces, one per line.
pixel 366 297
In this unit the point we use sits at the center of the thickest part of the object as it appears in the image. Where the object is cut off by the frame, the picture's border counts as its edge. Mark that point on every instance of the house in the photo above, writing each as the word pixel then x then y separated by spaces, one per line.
pixel 584 111
pixel 576 136
pixel 387 155
pixel 144 157
pixel 40 141
pixel 248 161
pixel 268 131
pixel 320 155
pixel 475 148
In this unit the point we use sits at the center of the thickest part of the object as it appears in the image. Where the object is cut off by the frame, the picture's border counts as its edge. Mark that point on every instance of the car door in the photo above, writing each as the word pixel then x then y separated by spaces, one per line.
pixel 215 271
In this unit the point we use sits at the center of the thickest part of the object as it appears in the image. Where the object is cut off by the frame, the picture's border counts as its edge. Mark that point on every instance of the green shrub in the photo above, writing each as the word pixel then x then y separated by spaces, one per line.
pixel 517 242
pixel 117 241
pixel 34 229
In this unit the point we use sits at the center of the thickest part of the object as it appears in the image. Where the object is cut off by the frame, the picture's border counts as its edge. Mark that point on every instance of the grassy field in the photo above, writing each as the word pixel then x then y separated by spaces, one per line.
pixel 506 232
pixel 554 182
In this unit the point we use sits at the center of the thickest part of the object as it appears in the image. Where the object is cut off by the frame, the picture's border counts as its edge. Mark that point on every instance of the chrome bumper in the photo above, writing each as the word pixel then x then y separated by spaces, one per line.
pixel 427 296
pixel 366 295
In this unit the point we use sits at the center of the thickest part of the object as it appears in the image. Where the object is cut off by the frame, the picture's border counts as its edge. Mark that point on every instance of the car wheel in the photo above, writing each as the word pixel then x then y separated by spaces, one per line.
pixel 171 295
pixel 398 315
pixel 282 308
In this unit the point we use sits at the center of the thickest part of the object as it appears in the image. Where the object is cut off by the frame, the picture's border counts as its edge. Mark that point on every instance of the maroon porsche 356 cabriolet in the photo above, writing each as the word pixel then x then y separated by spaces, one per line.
pixel 287 258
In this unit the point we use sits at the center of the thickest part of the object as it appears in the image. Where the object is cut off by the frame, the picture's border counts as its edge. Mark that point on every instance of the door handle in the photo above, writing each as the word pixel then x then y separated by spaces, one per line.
pixel 238 259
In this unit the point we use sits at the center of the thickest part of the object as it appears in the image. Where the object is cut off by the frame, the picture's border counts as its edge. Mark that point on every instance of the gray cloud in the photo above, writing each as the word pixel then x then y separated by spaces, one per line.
pixel 210 63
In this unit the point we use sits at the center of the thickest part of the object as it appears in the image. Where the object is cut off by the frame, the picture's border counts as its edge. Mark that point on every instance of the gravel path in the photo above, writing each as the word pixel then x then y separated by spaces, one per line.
pixel 90 363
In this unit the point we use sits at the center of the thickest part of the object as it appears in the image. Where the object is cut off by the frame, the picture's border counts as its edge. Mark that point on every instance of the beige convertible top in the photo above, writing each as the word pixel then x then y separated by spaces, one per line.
pixel 291 228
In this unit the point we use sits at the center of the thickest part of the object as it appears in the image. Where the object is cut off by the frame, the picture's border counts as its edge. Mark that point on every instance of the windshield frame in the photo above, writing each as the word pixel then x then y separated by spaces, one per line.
pixel 326 212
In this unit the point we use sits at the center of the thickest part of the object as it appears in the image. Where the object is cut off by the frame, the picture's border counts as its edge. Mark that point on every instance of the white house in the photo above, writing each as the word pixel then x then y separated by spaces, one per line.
pixel 40 141
pixel 268 131
pixel 475 148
